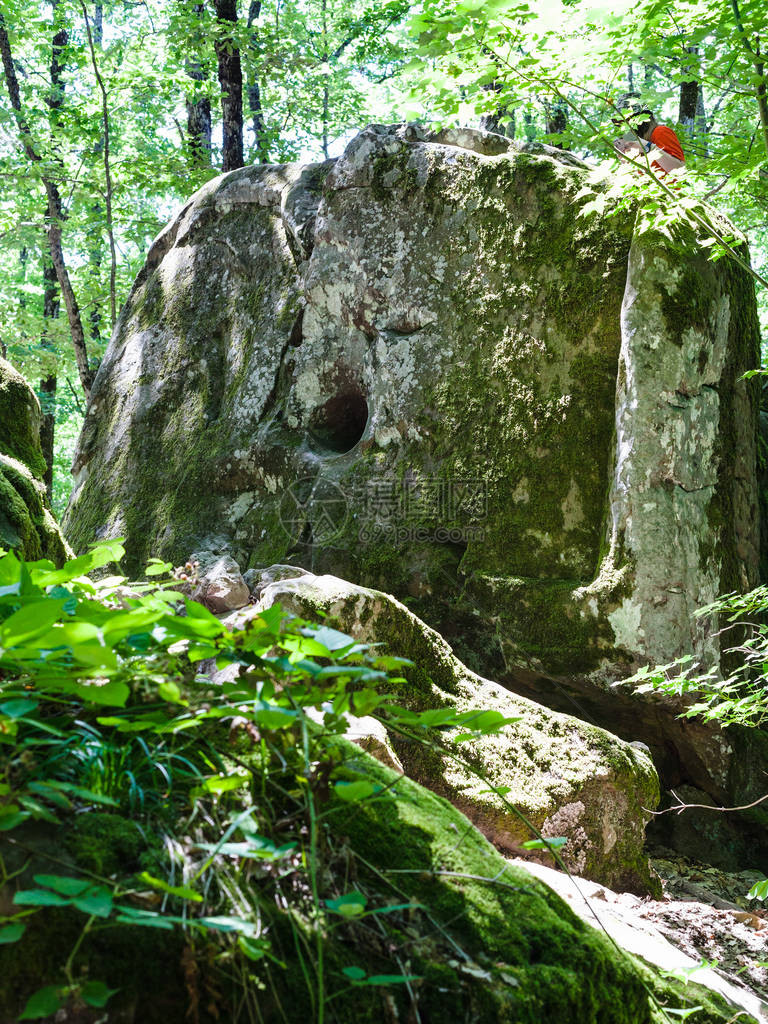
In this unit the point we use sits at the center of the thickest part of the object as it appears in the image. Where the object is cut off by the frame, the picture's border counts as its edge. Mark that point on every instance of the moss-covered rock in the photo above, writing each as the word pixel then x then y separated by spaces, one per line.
pixel 566 777
pixel 26 523
pixel 479 939
pixel 422 369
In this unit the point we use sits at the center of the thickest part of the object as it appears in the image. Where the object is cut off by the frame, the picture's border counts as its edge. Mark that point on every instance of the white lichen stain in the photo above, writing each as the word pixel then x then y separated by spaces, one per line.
pixel 573 514
pixel 240 505
pixel 521 492
pixel 385 435
pixel 625 622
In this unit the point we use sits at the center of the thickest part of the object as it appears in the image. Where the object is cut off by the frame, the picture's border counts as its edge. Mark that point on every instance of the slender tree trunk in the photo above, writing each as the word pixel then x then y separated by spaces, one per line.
pixel 54 215
pixel 95 315
pixel 689 100
pixel 231 81
pixel 493 122
pixel 557 120
pixel 326 94
pixel 98 23
pixel 701 122
pixel 48 381
pixel 107 172
pixel 254 90
pixel 326 99
pixel 198 110
pixel 199 123
pixel 501 121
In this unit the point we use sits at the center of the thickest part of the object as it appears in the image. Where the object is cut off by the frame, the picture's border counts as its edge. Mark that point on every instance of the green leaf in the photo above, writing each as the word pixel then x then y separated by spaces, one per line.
pixel 169 691
pixel 43 1003
pixel 354 973
pixel 84 794
pixel 11 932
pixel 10 818
pixel 391 979
pixel 145 918
pixel 100 555
pixel 18 708
pixel 64 884
pixel 545 844
pixel 30 620
pixel 221 784
pixel 96 901
pixel 156 567
pixel 351 904
pixel 331 639
pixel 184 892
pixel 39 898
pixel 254 949
pixel 113 693
pixel 227 924
pixel 360 789
pixel 759 890
pixel 96 993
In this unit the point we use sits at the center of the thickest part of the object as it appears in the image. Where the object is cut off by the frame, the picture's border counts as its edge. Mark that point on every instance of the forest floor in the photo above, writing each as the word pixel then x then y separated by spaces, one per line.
pixel 706 914
pixel 720 938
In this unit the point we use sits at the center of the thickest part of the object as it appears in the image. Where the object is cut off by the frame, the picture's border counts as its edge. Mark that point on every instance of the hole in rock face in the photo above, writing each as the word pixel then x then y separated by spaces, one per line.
pixel 340 422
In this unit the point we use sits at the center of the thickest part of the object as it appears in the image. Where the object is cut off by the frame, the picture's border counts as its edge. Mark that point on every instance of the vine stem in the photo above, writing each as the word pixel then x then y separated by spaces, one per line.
pixel 313 852
pixel 75 949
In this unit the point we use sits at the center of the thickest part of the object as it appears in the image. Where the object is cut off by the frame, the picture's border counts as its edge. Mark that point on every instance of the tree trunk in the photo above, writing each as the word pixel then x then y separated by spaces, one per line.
pixel 494 122
pixel 107 170
pixel 199 124
pixel 231 81
pixel 198 110
pixel 501 121
pixel 48 380
pixel 254 90
pixel 557 120
pixel 53 226
pixel 326 95
pixel 689 100
pixel 325 121
pixel 701 122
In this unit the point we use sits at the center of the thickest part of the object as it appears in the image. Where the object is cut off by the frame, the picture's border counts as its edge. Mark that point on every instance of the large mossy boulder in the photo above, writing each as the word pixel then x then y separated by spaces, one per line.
pixel 479 939
pixel 427 368
pixel 567 778
pixel 26 524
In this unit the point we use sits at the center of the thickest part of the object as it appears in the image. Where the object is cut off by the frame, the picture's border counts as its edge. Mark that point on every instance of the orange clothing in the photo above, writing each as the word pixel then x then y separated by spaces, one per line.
pixel 664 138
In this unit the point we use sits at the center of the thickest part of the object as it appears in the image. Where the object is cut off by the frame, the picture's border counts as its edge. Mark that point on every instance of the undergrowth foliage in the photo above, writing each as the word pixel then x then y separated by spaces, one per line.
pixel 107 704
pixel 736 696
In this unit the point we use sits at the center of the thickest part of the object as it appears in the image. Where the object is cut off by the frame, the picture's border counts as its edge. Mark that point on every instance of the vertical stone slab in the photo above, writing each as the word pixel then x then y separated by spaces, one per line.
pixel 684 515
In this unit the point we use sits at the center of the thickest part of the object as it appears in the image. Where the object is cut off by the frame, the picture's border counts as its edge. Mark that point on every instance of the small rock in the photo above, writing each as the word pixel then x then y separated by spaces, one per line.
pixel 222 588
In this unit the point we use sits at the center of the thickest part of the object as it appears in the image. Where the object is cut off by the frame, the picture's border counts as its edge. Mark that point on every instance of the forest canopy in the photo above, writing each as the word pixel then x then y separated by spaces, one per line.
pixel 112 113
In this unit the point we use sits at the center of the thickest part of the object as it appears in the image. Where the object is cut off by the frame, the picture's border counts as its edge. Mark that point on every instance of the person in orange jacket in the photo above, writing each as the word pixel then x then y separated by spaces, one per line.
pixel 646 135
